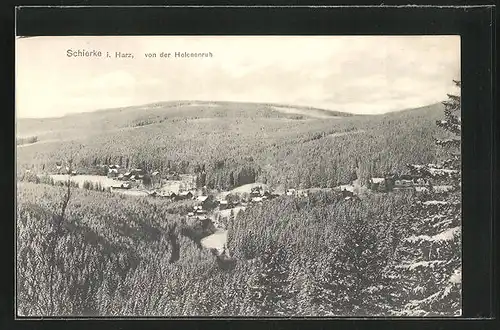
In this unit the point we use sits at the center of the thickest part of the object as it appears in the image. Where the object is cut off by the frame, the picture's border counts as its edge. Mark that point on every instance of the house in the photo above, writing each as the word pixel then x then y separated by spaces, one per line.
pixel 172 195
pixel 120 176
pixel 132 178
pixel 112 173
pixel 136 172
pixel 255 191
pixel 378 184
pixel 290 192
pixel 223 205
pixel 187 195
pixel 201 199
pixel 256 199
pixel 347 193
pixel 346 187
pixel 125 185
pixel 190 214
pixel 403 183
pixel 443 188
pixel 184 195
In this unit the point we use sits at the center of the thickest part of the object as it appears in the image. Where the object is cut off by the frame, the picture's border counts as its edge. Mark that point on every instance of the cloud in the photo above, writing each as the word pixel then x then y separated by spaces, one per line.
pixel 113 81
pixel 350 73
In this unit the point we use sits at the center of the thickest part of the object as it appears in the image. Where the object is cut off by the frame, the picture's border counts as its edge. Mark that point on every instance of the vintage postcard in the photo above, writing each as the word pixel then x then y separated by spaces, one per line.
pixel 269 176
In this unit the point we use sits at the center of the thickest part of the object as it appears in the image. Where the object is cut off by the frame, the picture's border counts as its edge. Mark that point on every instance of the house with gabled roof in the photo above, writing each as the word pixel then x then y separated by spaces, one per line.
pixel 184 195
pixel 112 173
pixel 201 198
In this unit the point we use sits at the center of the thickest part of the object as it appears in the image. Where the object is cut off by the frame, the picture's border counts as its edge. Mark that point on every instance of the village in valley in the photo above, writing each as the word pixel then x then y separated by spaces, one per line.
pixel 214 207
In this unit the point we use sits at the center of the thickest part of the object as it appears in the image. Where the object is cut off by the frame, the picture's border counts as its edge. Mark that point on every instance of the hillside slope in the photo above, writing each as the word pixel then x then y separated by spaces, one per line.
pixel 231 144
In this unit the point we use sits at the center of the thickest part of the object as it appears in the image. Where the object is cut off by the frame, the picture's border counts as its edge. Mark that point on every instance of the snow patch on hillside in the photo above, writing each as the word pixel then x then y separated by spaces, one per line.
pixel 199 104
pixel 304 112
pixel 444 236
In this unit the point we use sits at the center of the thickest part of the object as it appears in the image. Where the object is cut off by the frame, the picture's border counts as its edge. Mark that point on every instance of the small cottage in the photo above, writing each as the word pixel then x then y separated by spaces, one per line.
pixel 347 193
pixel 379 184
pixel 185 195
pixel 201 199
pixel 112 173
pixel 403 183
pixel 255 191
pixel 223 205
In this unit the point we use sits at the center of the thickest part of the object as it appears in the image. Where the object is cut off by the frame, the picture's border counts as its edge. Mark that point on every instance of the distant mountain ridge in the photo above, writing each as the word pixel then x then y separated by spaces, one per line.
pixel 158 112
pixel 182 103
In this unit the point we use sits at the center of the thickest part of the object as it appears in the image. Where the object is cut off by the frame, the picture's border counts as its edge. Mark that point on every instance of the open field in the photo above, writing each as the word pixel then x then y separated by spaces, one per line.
pixel 80 179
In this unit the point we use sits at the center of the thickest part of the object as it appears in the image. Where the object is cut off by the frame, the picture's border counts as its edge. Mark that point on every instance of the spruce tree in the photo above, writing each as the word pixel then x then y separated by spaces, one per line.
pixel 426 269
pixel 270 284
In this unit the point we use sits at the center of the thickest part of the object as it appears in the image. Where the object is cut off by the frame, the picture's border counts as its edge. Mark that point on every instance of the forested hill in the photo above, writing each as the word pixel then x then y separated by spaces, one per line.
pixel 229 144
pixel 117 118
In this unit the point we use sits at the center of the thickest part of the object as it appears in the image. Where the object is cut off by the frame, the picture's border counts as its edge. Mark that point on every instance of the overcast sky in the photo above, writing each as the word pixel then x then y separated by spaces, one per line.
pixel 372 74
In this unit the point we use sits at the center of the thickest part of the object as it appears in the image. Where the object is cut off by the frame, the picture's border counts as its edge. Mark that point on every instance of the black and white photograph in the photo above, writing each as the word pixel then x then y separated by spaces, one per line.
pixel 238 176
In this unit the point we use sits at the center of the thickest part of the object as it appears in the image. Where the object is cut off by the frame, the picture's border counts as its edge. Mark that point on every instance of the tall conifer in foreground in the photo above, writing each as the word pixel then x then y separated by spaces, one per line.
pixel 426 270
